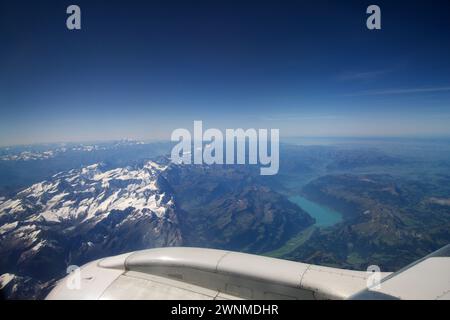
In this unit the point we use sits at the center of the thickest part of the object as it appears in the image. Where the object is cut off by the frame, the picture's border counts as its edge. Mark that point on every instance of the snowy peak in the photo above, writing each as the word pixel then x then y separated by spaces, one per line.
pixel 91 193
pixel 84 214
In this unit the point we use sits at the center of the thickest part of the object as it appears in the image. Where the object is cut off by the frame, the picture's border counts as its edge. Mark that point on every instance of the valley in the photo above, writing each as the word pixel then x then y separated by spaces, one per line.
pixel 339 205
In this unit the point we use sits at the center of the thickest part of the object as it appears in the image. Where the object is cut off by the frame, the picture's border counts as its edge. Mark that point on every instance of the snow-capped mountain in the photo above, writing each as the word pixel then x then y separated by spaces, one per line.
pixel 54 150
pixel 84 214
pixel 90 194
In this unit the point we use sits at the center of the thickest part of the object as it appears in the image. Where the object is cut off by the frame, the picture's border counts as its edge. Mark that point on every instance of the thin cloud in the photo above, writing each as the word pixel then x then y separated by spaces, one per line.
pixel 398 91
pixel 348 76
pixel 296 117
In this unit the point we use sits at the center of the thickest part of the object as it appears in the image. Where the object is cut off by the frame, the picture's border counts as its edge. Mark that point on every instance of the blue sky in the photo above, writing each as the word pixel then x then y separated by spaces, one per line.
pixel 140 69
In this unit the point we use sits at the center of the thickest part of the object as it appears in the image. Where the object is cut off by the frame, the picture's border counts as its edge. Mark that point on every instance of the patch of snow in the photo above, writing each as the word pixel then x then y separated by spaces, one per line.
pixel 8 227
pixel 11 206
pixel 5 279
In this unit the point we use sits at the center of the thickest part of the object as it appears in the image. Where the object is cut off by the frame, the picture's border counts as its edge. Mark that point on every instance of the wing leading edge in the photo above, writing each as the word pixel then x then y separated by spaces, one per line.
pixel 195 273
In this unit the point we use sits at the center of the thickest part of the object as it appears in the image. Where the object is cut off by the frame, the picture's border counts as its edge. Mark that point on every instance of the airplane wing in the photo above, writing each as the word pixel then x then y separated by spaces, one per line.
pixel 195 273
pixel 425 279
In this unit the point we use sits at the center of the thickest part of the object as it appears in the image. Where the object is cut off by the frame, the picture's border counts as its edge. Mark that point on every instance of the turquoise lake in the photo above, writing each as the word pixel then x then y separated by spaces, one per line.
pixel 324 216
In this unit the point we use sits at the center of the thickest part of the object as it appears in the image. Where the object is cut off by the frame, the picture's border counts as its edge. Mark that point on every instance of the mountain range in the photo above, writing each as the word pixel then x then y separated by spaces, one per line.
pixel 87 213
pixel 79 205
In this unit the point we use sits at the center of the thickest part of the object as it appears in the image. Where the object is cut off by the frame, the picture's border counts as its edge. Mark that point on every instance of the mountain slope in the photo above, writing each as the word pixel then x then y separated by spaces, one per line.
pixel 388 221
pixel 225 207
pixel 84 214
